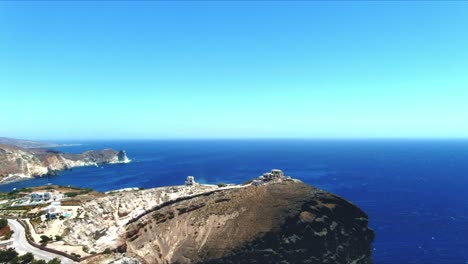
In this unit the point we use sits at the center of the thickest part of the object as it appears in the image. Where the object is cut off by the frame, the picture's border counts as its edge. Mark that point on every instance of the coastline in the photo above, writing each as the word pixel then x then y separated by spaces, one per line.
pixel 13 178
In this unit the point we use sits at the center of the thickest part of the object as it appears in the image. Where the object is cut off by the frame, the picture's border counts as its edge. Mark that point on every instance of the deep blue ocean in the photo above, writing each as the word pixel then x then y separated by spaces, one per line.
pixel 414 191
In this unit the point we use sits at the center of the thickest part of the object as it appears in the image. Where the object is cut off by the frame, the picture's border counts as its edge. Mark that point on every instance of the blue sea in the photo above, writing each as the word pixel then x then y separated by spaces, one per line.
pixel 414 191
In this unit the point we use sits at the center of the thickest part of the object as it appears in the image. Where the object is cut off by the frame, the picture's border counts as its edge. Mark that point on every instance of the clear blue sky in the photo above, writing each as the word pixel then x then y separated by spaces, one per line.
pixel 79 70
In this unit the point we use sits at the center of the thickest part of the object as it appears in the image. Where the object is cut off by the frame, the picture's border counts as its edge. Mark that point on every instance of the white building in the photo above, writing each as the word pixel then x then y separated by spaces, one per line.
pixel 52 211
pixel 40 196
pixel 45 196
pixel 257 182
pixel 277 173
pixel 190 181
pixel 274 174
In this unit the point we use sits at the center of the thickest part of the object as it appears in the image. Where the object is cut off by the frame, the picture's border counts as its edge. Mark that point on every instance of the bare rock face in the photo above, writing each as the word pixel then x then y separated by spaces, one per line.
pixel 17 162
pixel 287 222
pixel 102 222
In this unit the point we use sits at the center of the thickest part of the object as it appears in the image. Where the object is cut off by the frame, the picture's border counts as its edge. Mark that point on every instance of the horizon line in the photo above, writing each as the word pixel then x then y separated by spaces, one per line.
pixel 249 138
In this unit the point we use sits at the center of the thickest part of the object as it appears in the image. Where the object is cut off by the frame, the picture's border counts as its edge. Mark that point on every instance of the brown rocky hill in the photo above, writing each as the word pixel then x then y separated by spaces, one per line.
pixel 17 162
pixel 288 222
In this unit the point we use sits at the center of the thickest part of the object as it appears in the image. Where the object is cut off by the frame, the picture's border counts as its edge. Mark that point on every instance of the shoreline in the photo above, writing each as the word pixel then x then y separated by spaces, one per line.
pixel 13 178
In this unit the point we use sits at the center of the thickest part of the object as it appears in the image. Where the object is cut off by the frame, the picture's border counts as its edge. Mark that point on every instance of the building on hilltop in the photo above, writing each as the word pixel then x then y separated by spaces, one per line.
pixel 275 174
pixel 190 181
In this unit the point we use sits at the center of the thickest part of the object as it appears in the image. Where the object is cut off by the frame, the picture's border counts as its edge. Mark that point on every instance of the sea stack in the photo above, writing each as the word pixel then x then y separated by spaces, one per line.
pixel 122 156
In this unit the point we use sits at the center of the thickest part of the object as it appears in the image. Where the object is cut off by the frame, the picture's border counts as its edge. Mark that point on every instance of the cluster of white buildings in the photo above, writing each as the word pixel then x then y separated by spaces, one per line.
pixel 275 174
pixel 44 197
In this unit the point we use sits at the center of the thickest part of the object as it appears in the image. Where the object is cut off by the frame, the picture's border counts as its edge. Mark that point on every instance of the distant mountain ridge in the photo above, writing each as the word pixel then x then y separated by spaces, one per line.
pixel 23 143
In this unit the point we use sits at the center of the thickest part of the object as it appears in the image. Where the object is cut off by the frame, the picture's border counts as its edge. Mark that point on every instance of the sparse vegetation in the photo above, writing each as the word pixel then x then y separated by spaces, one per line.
pixel 7 255
pixel 12 257
pixel 8 235
pixel 71 194
pixel 45 239
pixel 54 261
pixel 221 184
pixel 107 251
pixel 85 249
pixel 3 223
pixel 40 261
pixel 80 192
pixel 26 258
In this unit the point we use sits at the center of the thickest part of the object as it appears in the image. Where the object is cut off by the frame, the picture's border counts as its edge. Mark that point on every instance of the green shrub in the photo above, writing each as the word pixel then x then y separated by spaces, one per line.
pixel 71 194
pixel 26 258
pixel 85 249
pixel 7 255
pixel 8 235
pixel 54 261
pixel 45 239
pixel 3 223
pixel 38 261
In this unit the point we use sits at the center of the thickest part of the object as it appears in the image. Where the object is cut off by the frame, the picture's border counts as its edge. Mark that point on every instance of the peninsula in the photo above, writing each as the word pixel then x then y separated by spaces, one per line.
pixel 18 163
pixel 271 218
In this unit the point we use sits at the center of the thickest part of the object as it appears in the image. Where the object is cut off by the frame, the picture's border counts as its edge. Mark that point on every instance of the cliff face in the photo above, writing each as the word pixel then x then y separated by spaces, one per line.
pixel 287 222
pixel 16 162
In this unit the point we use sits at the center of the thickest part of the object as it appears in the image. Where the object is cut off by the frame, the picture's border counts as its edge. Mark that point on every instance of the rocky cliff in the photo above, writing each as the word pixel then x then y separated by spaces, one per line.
pixel 17 162
pixel 102 222
pixel 287 222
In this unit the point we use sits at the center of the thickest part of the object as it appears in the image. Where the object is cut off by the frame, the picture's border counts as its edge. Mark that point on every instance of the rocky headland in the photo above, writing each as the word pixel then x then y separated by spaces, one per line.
pixel 18 163
pixel 286 222
pixel 278 221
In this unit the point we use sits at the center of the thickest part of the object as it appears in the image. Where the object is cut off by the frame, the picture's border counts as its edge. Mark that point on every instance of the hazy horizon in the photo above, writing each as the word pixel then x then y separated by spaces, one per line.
pixel 82 70
pixel 85 140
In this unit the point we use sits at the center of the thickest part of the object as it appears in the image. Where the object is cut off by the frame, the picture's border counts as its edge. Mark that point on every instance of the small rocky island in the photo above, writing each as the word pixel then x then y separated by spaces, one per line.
pixel 17 163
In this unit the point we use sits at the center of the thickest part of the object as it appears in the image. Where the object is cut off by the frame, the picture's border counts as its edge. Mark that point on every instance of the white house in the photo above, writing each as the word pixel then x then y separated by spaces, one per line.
pixel 52 211
pixel 40 196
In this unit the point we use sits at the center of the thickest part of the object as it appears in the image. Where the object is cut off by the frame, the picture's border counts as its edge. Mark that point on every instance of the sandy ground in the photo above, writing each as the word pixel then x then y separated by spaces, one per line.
pixel 60 245
pixel 56 227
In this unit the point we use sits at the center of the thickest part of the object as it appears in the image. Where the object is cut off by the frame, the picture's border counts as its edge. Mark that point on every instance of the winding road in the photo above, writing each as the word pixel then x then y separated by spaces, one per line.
pixel 22 246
